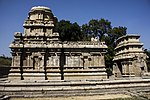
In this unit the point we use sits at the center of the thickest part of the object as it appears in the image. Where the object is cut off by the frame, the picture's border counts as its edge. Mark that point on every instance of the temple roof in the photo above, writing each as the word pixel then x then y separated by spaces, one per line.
pixel 35 8
pixel 128 35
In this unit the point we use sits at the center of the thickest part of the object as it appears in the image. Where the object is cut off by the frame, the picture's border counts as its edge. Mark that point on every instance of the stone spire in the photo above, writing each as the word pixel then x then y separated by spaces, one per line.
pixel 40 22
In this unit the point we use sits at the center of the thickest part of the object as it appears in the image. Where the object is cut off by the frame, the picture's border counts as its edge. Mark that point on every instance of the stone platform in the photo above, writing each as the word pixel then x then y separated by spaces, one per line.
pixel 73 87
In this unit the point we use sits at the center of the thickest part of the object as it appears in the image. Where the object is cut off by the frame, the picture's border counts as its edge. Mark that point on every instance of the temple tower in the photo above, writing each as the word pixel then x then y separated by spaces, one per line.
pixel 130 59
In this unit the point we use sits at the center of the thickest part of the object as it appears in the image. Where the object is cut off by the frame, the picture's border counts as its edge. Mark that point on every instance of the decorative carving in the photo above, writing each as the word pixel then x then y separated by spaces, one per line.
pixel 129 52
pixel 43 53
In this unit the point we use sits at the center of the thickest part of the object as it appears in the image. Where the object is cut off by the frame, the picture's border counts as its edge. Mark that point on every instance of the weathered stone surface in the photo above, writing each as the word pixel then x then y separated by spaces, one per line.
pixel 68 88
pixel 130 59
pixel 37 54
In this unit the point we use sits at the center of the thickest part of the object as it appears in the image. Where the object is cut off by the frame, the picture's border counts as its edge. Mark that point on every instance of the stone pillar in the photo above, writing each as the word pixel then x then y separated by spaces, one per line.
pixel 12 63
pixel 99 60
pixel 102 60
pixel 15 73
pixel 96 61
pixel 28 60
pixel 81 61
pixel 66 63
pixel 123 68
pixel 115 71
pixel 127 68
pixel 85 63
pixel 17 60
pixel 131 69
pixel 92 60
pixel 71 61
pixel 41 65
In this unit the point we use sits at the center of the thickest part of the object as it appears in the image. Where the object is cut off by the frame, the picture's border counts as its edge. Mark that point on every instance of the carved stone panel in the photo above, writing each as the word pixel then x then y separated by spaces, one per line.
pixel 16 60
pixel 53 61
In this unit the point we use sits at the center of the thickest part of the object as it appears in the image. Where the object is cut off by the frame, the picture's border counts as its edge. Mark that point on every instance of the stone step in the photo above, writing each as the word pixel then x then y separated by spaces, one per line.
pixel 68 88
pixel 83 92
pixel 74 83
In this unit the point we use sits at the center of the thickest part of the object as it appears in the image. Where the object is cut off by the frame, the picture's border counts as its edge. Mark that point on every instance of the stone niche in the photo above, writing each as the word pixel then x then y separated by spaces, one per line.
pixel 38 54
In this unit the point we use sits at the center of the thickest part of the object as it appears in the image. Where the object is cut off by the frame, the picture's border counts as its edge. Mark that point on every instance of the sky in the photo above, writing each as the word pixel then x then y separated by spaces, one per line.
pixel 133 14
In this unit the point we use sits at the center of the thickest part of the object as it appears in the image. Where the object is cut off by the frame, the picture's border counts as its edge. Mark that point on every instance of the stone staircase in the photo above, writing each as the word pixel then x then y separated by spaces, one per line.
pixel 72 88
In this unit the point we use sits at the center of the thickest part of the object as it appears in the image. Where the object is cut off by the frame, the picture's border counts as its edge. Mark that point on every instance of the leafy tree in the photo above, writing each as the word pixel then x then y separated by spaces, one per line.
pixel 118 32
pixel 85 32
pixel 97 28
pixel 68 31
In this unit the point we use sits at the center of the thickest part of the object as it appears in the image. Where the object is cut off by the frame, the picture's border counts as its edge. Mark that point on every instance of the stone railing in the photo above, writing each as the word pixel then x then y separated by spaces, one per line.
pixel 85 44
pixel 58 44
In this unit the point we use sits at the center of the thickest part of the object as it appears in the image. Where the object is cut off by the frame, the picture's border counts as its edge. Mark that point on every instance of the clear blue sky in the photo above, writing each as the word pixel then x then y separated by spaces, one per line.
pixel 134 14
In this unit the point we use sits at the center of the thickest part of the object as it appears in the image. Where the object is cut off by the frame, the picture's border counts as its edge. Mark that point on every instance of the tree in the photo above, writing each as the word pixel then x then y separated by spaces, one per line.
pixel 68 31
pixel 118 32
pixel 97 28
pixel 85 32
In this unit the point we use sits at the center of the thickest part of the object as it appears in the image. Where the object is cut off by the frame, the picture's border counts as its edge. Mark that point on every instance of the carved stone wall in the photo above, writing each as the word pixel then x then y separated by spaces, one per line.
pixel 37 54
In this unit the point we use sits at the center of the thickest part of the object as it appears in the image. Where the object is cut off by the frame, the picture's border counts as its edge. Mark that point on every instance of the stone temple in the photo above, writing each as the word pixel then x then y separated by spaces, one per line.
pixel 38 54
pixel 45 67
pixel 130 59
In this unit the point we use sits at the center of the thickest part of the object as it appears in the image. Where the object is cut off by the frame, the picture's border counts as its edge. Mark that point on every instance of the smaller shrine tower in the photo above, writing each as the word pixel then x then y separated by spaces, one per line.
pixel 130 59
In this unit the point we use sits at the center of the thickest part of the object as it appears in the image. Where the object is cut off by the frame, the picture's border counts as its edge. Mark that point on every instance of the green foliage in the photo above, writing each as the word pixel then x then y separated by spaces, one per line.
pixel 68 31
pixel 97 28
pixel 5 60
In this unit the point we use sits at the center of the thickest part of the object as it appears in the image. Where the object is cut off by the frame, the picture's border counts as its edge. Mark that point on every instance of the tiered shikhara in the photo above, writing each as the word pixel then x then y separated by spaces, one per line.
pixel 130 59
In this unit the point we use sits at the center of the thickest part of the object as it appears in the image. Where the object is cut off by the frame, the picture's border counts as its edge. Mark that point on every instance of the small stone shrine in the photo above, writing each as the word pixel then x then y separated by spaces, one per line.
pixel 37 54
pixel 130 59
